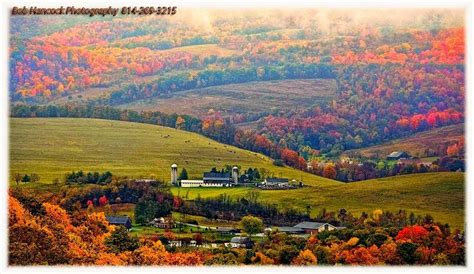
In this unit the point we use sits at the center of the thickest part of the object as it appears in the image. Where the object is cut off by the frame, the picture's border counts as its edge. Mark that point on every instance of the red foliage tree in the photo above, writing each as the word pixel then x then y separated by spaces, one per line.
pixel 414 233
pixel 103 200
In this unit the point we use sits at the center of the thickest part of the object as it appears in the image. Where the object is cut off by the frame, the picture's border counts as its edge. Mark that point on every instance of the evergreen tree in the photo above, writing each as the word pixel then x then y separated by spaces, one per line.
pixel 26 178
pixel 183 175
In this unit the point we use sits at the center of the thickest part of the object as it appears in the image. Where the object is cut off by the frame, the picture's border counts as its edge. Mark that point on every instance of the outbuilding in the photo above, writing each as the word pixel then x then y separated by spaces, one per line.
pixel 120 220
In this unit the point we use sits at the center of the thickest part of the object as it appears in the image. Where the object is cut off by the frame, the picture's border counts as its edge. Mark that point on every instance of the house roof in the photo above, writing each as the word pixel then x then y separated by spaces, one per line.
pixel 239 240
pixel 310 225
pixel 277 180
pixel 216 176
pixel 290 229
pixel 118 220
pixel 397 154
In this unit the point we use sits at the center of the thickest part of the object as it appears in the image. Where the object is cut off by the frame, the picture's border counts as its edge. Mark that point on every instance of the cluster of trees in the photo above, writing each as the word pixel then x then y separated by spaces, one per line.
pixel 348 171
pixel 226 208
pixel 80 177
pixel 73 110
pixel 117 191
pixel 251 175
pixel 46 234
pixel 25 178
pixel 148 209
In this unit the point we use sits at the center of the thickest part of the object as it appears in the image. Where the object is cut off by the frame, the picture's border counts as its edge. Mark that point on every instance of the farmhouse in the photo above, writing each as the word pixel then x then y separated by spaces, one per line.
pixel 120 220
pixel 397 155
pixel 165 223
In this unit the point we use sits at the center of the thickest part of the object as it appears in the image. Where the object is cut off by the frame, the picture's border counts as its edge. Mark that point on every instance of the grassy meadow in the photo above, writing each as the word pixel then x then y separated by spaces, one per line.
pixel 52 147
pixel 249 98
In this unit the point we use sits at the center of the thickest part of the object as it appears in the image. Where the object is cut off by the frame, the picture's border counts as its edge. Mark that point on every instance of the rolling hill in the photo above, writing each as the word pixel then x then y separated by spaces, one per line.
pixel 52 147
pixel 252 99
pixel 415 144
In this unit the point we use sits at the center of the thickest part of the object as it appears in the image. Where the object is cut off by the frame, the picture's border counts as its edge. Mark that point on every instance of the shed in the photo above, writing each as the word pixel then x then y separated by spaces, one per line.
pixel 120 220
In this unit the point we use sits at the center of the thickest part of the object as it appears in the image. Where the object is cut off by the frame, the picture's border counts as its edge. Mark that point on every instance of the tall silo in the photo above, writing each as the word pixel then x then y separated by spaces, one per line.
pixel 235 175
pixel 174 174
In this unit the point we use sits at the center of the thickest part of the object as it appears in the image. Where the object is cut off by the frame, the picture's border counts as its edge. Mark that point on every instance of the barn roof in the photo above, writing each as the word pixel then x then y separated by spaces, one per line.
pixel 239 240
pixel 309 225
pixel 290 229
pixel 396 154
pixel 118 220
pixel 216 176
pixel 277 180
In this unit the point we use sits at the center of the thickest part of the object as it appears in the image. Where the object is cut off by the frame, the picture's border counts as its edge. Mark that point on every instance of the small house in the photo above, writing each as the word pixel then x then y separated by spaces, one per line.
pixel 120 220
pixel 397 155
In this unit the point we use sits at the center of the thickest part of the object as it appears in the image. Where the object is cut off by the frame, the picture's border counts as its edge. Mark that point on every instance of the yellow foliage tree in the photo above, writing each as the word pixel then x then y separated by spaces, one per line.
pixel 306 257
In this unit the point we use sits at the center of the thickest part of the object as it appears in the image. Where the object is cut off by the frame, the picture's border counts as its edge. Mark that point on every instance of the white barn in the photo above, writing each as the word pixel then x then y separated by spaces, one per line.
pixel 201 183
